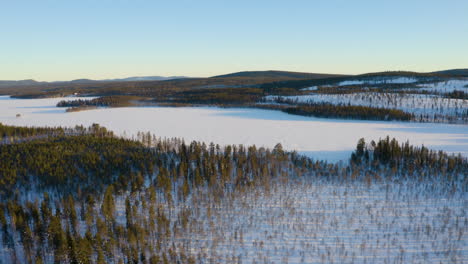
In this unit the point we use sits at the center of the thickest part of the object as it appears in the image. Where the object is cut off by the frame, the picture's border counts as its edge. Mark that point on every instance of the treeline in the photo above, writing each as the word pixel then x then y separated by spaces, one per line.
pixel 11 134
pixel 299 84
pixel 148 89
pixel 328 110
pixel 407 159
pixel 333 81
pixel 112 100
pixel 218 96
pixel 95 159
pixel 400 88
pixel 15 131
pixel 457 94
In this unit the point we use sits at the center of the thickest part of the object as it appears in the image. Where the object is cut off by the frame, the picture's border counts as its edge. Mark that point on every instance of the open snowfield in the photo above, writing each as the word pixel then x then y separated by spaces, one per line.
pixel 318 138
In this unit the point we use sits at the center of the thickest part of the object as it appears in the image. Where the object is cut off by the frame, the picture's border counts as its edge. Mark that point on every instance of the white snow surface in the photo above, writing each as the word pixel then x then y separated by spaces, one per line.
pixel 447 86
pixel 379 80
pixel 312 88
pixel 318 138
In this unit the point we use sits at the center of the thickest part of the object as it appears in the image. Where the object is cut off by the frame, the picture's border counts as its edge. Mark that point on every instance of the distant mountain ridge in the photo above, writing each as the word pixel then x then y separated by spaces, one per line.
pixel 278 74
pixel 145 78
pixel 11 83
pixel 454 72
pixel 18 83
pixel 259 76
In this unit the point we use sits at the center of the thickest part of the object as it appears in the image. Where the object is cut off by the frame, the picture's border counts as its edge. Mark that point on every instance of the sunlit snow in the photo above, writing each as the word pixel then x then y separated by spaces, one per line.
pixel 380 80
pixel 447 86
pixel 318 138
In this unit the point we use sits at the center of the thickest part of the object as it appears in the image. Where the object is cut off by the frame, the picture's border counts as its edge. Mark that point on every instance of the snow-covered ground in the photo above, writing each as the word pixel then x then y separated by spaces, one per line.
pixel 318 138
pixel 412 103
pixel 322 222
pixel 380 80
pixel 303 220
pixel 312 88
pixel 446 86
pixel 369 81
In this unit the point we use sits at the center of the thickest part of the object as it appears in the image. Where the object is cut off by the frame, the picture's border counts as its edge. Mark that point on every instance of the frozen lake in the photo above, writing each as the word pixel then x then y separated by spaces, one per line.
pixel 319 138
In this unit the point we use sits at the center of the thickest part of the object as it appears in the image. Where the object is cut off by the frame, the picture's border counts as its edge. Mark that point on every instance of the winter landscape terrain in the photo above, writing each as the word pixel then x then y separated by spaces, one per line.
pixel 418 104
pixel 238 132
pixel 428 100
pixel 273 187
pixel 318 138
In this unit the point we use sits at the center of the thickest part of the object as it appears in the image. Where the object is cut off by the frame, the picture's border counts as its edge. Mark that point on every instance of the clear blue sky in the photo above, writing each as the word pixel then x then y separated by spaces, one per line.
pixel 63 40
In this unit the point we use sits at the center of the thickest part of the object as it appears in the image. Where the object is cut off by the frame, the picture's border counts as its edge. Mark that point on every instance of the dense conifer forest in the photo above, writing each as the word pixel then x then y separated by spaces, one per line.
pixel 456 94
pixel 349 112
pixel 83 195
pixel 104 101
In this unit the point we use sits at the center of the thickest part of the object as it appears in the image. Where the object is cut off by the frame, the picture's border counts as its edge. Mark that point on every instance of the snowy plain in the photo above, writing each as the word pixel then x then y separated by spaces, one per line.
pixel 318 138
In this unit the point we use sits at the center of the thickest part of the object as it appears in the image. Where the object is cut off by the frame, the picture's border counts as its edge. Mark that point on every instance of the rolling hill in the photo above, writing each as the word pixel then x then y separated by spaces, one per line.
pixel 278 75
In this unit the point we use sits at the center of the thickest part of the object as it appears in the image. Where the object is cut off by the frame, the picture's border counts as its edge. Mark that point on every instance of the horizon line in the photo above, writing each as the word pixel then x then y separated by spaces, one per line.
pixel 210 76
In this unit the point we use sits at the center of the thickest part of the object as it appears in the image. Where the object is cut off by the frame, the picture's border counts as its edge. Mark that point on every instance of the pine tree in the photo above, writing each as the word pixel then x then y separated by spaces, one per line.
pixel 108 204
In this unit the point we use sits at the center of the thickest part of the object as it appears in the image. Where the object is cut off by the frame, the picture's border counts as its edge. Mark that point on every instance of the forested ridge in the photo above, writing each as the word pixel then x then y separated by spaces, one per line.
pixel 112 100
pixel 249 89
pixel 349 112
pixel 406 159
pixel 92 197
pixel 456 94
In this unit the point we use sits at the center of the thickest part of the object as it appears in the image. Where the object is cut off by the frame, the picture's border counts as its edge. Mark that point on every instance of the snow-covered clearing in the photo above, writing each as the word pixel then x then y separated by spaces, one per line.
pixel 318 138
pixel 437 86
pixel 446 86
pixel 368 81
pixel 312 88
pixel 379 80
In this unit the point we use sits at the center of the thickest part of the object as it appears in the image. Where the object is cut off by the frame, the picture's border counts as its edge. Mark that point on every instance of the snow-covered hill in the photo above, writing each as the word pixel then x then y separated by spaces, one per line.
pixel 419 104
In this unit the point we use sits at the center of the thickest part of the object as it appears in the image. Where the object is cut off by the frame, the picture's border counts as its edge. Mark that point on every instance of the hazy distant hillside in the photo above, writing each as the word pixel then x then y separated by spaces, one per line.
pixel 18 83
pixel 31 82
pixel 394 73
pixel 144 86
pixel 454 72
pixel 146 78
pixel 243 88
pixel 372 78
pixel 128 79
pixel 278 74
